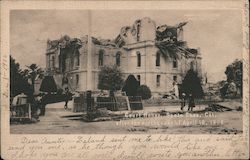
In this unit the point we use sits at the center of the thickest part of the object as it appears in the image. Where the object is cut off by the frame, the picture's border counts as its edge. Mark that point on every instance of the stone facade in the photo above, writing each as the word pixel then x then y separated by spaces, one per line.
pixel 136 50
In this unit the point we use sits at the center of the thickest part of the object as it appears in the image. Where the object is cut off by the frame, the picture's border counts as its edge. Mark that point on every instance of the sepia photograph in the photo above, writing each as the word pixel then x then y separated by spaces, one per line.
pixel 124 80
pixel 140 71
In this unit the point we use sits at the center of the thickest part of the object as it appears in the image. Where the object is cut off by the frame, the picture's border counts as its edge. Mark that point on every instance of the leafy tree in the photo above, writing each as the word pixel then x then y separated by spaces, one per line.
pixel 131 86
pixel 191 84
pixel 223 90
pixel 144 92
pixel 110 78
pixel 169 51
pixel 167 43
pixel 234 73
pixel 48 85
pixel 18 82
pixel 32 73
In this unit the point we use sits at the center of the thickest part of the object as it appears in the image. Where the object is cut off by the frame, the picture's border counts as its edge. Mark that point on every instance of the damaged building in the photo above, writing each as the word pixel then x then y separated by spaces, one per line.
pixel 156 55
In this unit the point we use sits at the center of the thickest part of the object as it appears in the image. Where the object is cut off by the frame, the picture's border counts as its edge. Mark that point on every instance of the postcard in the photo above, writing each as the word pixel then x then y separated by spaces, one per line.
pixel 125 80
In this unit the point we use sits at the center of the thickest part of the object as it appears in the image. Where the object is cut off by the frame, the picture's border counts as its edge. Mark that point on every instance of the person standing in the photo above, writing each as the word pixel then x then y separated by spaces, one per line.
pixel 35 107
pixel 191 103
pixel 67 97
pixel 43 102
pixel 183 100
pixel 33 104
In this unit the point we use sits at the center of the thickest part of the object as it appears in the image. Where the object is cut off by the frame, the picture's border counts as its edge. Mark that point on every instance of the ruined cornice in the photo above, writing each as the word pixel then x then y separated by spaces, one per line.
pixel 140 44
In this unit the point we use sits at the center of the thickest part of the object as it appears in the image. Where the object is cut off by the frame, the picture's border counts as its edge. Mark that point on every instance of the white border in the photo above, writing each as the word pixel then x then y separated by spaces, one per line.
pixel 6 6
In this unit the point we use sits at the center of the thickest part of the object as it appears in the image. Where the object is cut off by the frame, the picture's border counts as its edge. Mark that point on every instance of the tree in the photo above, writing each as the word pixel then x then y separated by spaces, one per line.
pixel 191 84
pixel 234 73
pixel 169 51
pixel 48 85
pixel 110 78
pixel 131 86
pixel 144 92
pixel 32 73
pixel 18 82
pixel 167 43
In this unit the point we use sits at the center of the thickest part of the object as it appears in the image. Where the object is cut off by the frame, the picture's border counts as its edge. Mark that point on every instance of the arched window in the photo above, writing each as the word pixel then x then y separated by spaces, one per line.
pixel 52 62
pixel 175 78
pixel 77 58
pixel 138 59
pixel 158 80
pixel 100 58
pixel 118 58
pixel 158 56
pixel 77 79
pixel 65 80
pixel 139 79
pixel 175 63
pixel 138 33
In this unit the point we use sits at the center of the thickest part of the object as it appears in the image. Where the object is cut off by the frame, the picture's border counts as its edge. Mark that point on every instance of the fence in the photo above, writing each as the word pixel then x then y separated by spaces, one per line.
pixel 80 103
pixel 106 102
pixel 122 103
pixel 20 112
pixel 135 103
pixel 117 103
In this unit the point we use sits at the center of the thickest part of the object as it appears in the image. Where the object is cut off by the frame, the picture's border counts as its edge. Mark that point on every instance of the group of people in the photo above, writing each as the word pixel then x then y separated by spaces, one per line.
pixel 184 98
pixel 189 99
pixel 39 102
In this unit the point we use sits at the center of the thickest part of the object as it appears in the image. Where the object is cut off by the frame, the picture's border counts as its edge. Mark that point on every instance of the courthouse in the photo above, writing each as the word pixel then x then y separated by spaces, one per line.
pixel 156 55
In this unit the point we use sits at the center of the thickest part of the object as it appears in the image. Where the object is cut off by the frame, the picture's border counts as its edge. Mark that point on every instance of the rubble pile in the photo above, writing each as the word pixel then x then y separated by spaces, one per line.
pixel 168 43
pixel 225 106
pixel 67 42
pixel 212 91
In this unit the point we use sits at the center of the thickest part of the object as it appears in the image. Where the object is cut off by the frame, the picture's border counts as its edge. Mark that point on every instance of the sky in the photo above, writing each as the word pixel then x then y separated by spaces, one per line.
pixel 218 33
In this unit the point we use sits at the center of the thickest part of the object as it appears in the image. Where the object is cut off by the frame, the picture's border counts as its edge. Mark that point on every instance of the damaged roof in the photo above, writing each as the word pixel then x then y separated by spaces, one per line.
pixel 166 40
pixel 65 42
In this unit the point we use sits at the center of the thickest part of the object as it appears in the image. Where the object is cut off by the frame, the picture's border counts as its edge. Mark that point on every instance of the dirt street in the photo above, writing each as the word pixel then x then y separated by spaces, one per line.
pixel 60 121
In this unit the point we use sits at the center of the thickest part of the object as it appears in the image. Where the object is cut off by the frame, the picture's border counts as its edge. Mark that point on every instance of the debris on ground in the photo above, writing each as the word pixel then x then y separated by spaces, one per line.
pixel 137 128
pixel 224 106
pixel 102 119
pixel 230 131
